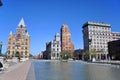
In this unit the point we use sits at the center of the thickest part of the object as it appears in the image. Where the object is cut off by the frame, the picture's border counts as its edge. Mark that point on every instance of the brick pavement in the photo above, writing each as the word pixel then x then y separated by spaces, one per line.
pixel 18 72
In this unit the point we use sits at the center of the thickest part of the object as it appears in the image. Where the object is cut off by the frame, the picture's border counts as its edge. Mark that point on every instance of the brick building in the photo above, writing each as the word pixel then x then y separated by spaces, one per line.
pixel 66 43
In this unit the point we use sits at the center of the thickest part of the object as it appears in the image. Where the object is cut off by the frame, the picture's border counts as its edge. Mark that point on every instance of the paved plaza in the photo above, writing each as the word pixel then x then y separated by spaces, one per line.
pixel 19 71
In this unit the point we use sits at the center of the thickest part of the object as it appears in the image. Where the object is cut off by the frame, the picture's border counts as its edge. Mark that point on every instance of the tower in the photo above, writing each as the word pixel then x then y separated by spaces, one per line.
pixel 19 43
pixel 66 44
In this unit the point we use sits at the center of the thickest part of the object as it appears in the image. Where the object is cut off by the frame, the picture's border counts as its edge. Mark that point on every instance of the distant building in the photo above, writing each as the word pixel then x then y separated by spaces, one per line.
pixel 19 44
pixel 66 43
pixel 53 48
pixel 39 56
pixel 115 35
pixel 45 55
pixel 96 36
pixel 114 49
pixel 78 53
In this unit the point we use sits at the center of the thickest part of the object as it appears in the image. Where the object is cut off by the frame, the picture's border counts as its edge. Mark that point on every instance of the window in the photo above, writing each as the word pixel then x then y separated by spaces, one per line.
pixel 57 49
pixel 25 52
pixel 57 55
pixel 53 54
pixel 25 47
pixel 18 36
pixel 53 49
pixel 21 53
pixel 8 52
pixel 53 45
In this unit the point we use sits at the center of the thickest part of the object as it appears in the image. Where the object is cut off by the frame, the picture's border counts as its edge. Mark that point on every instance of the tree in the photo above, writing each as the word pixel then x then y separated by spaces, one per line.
pixel 86 55
pixel 65 54
pixel 31 56
pixel 94 53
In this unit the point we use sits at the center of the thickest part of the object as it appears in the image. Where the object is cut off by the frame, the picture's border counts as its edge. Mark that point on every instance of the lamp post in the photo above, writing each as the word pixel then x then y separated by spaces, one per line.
pixel 1 3
pixel 0 48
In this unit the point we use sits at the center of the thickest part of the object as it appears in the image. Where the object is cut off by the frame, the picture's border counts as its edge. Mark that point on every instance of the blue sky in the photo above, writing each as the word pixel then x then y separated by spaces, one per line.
pixel 43 18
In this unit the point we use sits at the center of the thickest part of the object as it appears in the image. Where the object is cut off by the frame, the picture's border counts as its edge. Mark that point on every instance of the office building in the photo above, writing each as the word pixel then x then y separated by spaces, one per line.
pixel 115 35
pixel 96 36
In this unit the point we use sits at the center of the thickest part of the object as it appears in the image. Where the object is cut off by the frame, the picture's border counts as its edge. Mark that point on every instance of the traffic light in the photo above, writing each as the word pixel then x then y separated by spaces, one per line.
pixel 1 3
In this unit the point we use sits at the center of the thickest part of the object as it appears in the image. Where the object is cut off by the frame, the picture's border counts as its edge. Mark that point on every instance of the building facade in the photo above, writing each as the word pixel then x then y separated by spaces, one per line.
pixel 115 35
pixel 19 44
pixel 66 43
pixel 78 54
pixel 96 36
pixel 53 48
pixel 114 49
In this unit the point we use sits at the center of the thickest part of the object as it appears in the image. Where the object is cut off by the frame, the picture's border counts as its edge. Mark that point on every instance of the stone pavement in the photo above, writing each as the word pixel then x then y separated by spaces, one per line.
pixel 19 72
pixel 31 73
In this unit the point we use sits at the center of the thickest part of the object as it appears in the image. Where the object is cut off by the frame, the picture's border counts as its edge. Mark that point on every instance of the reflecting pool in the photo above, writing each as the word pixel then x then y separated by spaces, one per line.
pixel 75 71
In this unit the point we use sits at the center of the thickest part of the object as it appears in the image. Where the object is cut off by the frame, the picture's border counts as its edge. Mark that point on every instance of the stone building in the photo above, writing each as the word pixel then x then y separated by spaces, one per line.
pixel 96 36
pixel 66 43
pixel 115 35
pixel 19 44
pixel 53 48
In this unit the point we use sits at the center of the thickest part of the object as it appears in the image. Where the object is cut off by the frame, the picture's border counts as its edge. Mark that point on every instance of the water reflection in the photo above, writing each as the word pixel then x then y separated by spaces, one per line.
pixel 74 71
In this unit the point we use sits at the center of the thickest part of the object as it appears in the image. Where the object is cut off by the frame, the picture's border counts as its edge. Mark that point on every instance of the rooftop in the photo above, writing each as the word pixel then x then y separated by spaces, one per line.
pixel 102 24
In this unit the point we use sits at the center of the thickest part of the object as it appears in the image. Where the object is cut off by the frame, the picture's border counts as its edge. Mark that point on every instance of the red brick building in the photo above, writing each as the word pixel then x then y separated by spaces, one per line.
pixel 66 44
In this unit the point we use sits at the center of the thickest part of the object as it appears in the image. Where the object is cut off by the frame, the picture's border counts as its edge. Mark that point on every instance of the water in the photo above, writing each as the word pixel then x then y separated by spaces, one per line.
pixel 75 71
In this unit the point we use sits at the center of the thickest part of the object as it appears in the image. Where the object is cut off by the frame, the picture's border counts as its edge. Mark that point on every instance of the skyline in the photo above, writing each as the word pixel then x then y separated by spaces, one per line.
pixel 43 19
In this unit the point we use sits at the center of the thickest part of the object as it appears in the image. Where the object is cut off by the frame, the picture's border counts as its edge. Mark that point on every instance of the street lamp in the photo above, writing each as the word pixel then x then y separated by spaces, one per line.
pixel 1 3
pixel 0 48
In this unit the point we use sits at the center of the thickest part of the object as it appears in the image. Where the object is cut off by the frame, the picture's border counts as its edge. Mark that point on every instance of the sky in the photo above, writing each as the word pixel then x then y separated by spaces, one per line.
pixel 43 19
